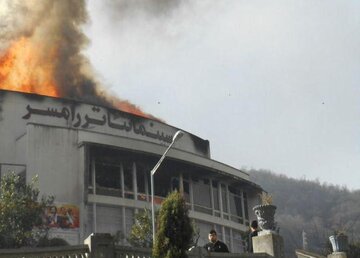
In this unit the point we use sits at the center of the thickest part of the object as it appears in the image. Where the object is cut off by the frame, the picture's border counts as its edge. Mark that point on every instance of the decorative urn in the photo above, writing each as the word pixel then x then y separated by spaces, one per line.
pixel 265 214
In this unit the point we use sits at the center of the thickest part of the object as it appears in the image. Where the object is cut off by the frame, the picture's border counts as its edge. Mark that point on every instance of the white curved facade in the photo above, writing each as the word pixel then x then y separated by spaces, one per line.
pixel 97 160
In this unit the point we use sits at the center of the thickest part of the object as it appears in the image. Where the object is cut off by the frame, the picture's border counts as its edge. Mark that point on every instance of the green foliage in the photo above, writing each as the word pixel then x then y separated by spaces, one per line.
pixel 48 242
pixel 141 231
pixel 175 232
pixel 20 212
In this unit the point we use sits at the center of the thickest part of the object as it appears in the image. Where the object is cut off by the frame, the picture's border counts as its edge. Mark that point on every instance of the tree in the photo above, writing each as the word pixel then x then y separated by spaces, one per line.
pixel 141 231
pixel 175 232
pixel 21 212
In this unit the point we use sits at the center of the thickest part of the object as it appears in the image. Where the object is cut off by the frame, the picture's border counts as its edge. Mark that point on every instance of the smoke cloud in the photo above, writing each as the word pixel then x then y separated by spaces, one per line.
pixel 122 9
pixel 55 29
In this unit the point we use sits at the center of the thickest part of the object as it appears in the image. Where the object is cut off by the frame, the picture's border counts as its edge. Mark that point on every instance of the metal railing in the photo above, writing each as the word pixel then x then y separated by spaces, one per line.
pixel 78 251
pixel 102 245
pixel 131 252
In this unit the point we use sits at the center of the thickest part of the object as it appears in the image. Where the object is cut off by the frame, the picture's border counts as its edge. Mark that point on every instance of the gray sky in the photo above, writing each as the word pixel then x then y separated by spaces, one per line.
pixel 271 84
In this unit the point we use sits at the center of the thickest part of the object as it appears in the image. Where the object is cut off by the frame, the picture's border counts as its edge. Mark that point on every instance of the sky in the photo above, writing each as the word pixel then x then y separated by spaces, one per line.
pixel 271 84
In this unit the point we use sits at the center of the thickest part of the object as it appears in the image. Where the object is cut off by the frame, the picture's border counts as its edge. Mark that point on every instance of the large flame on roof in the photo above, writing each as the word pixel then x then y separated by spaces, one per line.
pixel 23 68
pixel 40 52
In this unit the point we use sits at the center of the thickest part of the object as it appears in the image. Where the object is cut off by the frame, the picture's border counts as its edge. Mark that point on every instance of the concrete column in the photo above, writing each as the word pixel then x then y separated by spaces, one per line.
pixel 271 243
pixel 101 245
pixel 337 255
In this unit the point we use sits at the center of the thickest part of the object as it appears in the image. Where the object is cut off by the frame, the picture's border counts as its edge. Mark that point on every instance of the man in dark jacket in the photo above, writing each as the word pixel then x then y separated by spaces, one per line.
pixel 215 245
pixel 253 233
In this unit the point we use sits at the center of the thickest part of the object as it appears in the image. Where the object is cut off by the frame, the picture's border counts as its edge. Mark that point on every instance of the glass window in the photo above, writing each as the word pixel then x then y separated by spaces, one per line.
pixel 218 229
pixel 162 184
pixel 175 184
pixel 237 242
pixel 90 220
pixel 236 208
pixel 140 180
pixel 90 179
pixel 128 179
pixel 107 179
pixel 216 194
pixel 224 198
pixel 227 239
pixel 129 220
pixel 202 200
pixel 203 229
pixel 235 205
pixel 186 190
pixel 109 219
pixel 246 208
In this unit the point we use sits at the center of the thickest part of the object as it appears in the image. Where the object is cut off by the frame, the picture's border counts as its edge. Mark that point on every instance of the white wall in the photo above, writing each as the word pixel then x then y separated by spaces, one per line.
pixel 53 154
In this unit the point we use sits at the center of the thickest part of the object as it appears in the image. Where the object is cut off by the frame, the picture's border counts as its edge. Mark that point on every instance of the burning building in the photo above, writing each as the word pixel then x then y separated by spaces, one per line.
pixel 96 161
pixel 57 122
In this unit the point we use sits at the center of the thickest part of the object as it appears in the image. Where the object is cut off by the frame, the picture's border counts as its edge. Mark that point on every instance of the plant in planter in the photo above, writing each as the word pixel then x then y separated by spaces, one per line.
pixel 339 241
pixel 265 213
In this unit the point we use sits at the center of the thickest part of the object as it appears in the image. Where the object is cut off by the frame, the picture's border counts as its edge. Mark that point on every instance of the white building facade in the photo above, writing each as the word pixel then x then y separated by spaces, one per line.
pixel 96 161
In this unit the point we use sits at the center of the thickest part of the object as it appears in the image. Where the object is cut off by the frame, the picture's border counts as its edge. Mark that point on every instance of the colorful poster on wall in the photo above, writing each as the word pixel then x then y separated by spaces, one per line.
pixel 62 216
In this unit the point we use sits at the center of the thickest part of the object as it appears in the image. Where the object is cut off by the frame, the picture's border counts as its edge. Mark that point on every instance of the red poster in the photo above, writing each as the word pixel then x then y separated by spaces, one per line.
pixel 62 216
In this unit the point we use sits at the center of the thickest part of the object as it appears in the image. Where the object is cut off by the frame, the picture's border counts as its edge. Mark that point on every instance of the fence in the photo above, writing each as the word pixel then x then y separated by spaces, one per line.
pixel 129 252
pixel 102 246
pixel 80 251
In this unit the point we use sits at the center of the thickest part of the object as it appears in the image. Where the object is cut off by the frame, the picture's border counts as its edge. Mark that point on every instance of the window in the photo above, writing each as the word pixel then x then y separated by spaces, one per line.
pixel 238 243
pixel 128 179
pixel 215 193
pixel 107 178
pixel 186 190
pixel 246 209
pixel 235 205
pixel 224 201
pixel 129 220
pixel 162 183
pixel 204 230
pixel 202 200
pixel 141 179
pixel 109 219
pixel 227 238
pixel 175 184
pixel 89 225
pixel 219 232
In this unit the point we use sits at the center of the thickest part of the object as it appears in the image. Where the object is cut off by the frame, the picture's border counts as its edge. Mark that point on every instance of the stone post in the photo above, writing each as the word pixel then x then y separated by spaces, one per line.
pixel 337 255
pixel 270 243
pixel 100 245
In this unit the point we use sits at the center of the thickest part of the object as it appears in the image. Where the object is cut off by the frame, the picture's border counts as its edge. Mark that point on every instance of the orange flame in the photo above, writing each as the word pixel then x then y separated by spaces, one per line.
pixel 25 67
pixel 29 67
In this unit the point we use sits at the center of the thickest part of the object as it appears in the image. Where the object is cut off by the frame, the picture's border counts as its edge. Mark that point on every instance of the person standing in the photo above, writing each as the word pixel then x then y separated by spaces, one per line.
pixel 214 244
pixel 253 232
